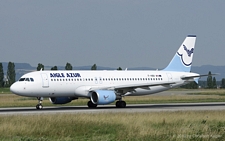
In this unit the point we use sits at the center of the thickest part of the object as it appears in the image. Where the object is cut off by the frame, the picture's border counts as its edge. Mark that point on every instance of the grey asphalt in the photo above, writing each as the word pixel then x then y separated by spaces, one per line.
pixel 113 109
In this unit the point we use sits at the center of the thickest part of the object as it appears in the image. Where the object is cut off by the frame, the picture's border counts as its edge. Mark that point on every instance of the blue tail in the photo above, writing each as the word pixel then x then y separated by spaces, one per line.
pixel 182 60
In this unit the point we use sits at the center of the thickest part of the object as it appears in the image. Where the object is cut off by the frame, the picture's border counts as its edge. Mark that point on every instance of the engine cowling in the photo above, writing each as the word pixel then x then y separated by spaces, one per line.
pixel 102 97
pixel 61 100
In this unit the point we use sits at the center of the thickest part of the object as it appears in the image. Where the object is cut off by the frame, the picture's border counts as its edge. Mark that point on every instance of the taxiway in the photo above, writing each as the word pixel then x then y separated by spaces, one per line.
pixel 112 108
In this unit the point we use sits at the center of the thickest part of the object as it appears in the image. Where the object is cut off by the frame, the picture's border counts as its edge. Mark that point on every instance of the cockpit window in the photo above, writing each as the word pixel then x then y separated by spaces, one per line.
pixel 21 79
pixel 27 79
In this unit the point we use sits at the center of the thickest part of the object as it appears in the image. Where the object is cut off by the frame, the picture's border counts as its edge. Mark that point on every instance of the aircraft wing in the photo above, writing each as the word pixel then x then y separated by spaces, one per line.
pixel 144 85
pixel 131 87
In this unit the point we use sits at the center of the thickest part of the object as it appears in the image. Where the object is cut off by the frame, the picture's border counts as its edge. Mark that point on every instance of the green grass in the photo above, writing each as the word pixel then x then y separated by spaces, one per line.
pixel 220 92
pixel 5 91
pixel 157 126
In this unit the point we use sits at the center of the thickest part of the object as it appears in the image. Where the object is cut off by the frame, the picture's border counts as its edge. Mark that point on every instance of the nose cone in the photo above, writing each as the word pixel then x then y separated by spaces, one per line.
pixel 14 88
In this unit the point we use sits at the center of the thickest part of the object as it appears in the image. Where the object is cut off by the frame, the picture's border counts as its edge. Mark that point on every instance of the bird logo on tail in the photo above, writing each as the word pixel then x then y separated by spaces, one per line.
pixel 186 55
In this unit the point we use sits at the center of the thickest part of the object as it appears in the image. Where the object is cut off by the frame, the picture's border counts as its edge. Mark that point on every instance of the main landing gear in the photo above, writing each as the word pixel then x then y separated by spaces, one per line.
pixel 39 105
pixel 91 105
pixel 120 104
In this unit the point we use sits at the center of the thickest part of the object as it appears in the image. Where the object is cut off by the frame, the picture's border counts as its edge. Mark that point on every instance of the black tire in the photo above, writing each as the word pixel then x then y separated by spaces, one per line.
pixel 39 106
pixel 91 105
pixel 118 104
pixel 123 104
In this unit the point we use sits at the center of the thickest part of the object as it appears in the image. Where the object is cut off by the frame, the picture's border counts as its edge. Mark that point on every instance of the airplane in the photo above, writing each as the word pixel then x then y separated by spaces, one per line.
pixel 103 87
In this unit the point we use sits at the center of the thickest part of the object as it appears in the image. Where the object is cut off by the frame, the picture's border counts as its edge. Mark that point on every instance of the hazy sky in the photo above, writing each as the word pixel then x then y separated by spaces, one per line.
pixel 111 33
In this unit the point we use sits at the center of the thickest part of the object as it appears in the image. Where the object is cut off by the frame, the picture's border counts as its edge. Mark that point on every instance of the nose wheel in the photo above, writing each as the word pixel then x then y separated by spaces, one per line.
pixel 39 105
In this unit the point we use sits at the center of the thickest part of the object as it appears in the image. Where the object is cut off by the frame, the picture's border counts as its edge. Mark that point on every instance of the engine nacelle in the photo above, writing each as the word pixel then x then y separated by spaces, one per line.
pixel 61 100
pixel 102 97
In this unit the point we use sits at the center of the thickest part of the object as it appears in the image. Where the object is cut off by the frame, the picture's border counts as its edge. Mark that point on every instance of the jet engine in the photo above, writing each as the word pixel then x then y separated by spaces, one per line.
pixel 102 97
pixel 61 100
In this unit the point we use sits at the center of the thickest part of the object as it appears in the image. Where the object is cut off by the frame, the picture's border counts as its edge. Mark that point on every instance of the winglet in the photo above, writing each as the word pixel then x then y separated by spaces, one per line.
pixel 182 60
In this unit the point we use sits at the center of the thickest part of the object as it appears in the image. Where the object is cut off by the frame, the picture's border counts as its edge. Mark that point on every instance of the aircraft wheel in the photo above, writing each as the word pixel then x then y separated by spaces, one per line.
pixel 118 104
pixel 121 104
pixel 39 106
pixel 91 105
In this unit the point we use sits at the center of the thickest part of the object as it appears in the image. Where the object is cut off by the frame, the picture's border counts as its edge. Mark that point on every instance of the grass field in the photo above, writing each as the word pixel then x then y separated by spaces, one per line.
pixel 157 126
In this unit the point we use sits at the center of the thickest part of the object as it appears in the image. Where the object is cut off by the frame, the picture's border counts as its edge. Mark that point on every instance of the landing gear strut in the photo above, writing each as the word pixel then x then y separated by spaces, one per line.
pixel 91 105
pixel 39 105
pixel 121 104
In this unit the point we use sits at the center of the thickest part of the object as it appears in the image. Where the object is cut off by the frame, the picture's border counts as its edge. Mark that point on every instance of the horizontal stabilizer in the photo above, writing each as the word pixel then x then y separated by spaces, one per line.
pixel 196 76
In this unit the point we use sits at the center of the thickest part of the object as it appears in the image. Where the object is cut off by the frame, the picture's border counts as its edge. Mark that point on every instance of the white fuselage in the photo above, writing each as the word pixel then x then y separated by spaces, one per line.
pixel 79 83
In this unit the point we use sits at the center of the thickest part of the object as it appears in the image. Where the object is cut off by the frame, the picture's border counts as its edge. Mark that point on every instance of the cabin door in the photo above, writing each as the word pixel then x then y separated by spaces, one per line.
pixel 45 83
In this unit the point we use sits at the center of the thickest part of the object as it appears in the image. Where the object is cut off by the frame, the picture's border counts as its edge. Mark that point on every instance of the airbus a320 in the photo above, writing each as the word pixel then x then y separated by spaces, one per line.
pixel 105 87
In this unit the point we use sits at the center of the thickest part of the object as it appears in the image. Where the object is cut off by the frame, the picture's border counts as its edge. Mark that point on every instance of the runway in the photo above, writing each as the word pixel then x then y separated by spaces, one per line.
pixel 111 108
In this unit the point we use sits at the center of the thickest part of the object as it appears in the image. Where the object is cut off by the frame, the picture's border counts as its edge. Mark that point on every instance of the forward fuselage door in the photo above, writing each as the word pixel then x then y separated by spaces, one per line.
pixel 45 82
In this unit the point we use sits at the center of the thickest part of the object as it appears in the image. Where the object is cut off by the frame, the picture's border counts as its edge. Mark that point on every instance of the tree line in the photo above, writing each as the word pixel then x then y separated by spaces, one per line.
pixel 8 79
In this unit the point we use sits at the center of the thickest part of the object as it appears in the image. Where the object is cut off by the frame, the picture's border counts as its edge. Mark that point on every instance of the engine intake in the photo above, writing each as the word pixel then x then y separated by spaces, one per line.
pixel 102 97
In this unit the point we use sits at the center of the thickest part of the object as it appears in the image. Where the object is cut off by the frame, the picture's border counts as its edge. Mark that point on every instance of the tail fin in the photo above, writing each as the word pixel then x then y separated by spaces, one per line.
pixel 182 60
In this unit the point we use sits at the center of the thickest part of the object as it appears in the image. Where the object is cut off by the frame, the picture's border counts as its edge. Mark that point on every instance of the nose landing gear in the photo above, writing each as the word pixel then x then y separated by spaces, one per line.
pixel 39 105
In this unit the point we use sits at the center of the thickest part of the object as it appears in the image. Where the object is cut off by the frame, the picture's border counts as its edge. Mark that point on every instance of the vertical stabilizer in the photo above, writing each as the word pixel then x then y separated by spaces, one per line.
pixel 182 60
